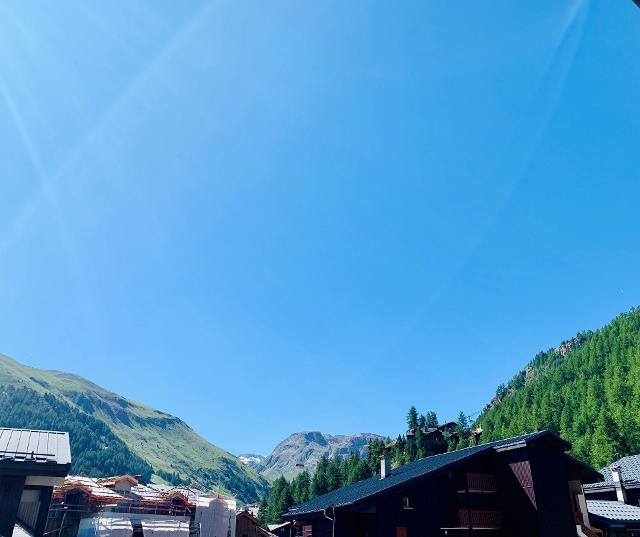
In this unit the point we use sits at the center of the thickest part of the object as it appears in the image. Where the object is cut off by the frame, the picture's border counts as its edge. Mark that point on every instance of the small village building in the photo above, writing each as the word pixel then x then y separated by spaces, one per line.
pixel 527 486
pixel 614 502
pixel 31 464
pixel 285 529
pixel 247 525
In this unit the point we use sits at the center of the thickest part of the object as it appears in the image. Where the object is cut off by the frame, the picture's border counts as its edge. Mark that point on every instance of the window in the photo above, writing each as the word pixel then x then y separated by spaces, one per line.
pixel 407 502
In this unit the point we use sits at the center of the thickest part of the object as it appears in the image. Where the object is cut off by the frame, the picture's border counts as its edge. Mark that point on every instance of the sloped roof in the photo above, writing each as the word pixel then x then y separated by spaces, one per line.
pixel 191 494
pixel 89 486
pixel 114 480
pixel 407 472
pixel 146 492
pixel 629 467
pixel 613 511
pixel 273 527
pixel 31 446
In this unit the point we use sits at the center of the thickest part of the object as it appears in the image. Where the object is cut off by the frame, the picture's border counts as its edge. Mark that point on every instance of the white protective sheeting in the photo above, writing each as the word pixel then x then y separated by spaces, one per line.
pixel 165 528
pixel 216 516
pixel 105 526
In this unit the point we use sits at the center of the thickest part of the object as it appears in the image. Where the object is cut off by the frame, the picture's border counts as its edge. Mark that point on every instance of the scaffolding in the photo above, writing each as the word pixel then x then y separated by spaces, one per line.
pixel 120 506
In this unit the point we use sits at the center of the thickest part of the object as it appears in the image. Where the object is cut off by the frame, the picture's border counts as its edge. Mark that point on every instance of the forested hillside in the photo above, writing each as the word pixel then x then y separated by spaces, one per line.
pixel 114 435
pixel 96 450
pixel 587 390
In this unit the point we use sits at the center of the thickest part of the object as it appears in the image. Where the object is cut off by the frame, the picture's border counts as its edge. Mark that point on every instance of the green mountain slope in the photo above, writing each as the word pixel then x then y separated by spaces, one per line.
pixel 587 390
pixel 112 435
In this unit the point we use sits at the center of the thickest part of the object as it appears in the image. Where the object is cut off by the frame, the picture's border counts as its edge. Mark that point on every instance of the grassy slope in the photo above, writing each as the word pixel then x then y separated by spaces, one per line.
pixel 165 441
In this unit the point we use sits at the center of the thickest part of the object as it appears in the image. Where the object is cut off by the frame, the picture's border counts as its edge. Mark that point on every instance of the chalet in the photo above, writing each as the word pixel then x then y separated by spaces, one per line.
pixel 614 502
pixel 524 486
pixel 247 525
pixel 31 464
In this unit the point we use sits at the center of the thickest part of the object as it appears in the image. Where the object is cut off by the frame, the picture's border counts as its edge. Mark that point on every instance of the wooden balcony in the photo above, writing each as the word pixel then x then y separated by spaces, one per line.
pixel 481 483
pixel 477 483
pixel 479 519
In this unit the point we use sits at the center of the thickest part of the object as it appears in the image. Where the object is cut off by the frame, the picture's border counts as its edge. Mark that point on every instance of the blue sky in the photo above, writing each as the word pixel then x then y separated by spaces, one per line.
pixel 283 216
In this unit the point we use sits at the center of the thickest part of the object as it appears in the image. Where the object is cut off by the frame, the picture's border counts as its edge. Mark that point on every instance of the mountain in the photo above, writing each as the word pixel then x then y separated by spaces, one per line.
pixel 112 435
pixel 308 448
pixel 250 460
pixel 587 390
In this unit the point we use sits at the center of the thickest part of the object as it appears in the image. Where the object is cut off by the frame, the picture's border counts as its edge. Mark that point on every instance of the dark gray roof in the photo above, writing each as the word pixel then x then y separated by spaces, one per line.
pixel 420 468
pixel 629 467
pixel 28 446
pixel 613 511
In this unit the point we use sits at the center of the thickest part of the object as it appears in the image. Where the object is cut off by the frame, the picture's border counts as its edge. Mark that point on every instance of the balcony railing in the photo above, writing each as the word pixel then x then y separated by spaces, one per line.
pixel 479 519
pixel 481 482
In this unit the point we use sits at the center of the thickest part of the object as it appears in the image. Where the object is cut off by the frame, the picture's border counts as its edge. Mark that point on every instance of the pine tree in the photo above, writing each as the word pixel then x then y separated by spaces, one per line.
pixel 301 487
pixel 320 483
pixel 431 420
pixel 422 421
pixel 412 418
pixel 263 513
pixel 279 501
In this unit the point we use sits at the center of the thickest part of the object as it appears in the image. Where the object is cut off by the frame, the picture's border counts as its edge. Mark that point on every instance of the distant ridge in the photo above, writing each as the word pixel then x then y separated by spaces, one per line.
pixel 307 448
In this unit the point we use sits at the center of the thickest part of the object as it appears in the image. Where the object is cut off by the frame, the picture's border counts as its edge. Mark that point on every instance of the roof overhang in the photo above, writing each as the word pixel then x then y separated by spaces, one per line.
pixel 29 468
pixel 543 437
pixel 580 470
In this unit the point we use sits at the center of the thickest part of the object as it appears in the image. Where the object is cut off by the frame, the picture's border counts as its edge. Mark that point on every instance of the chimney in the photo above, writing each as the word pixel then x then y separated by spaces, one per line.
pixel 616 473
pixel 385 465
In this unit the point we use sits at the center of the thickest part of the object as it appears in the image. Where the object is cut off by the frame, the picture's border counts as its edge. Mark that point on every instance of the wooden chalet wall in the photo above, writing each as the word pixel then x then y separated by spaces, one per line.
pixel 422 520
pixel 516 494
pixel 555 511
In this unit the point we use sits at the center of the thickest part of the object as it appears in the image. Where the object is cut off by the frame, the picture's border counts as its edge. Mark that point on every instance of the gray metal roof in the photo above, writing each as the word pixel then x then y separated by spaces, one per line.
pixel 629 467
pixel 29 446
pixel 614 511
pixel 420 468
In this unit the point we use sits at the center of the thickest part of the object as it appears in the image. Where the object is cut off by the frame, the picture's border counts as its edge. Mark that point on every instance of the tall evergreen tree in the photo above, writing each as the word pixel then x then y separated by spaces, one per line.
pixel 279 501
pixel 412 418
pixel 320 483
pixel 431 419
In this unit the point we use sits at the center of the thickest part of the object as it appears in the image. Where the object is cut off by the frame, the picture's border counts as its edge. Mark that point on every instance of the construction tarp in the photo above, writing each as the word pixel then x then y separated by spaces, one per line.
pixel 216 516
pixel 165 528
pixel 103 526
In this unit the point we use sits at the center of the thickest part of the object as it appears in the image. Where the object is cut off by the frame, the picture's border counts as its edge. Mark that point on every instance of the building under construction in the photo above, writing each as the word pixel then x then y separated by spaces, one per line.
pixel 122 506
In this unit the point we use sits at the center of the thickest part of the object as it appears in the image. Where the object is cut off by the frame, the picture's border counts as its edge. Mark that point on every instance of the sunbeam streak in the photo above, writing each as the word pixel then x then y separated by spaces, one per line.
pixel 48 182
pixel 523 146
